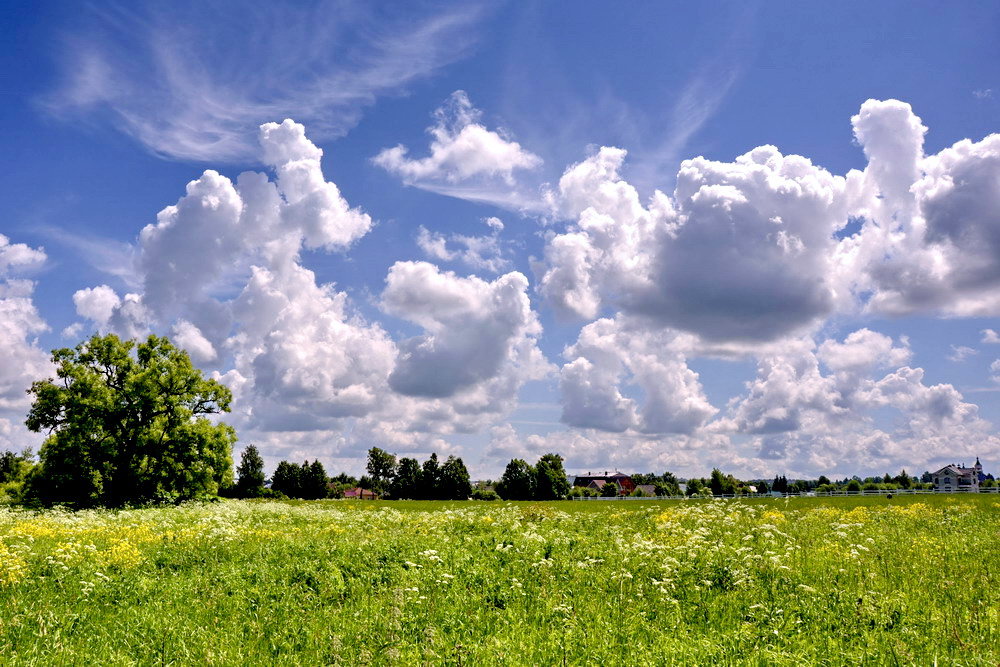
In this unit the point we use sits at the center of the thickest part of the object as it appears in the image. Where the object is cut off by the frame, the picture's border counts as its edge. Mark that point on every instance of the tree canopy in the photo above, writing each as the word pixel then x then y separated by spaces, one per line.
pixel 127 423
pixel 250 474
pixel 518 481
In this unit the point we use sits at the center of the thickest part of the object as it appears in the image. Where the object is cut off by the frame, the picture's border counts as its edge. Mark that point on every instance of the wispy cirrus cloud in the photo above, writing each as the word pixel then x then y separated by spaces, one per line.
pixel 197 87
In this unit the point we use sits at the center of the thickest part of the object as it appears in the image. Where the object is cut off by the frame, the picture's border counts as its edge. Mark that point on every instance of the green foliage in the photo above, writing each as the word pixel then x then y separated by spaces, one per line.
pixel 307 481
pixel 127 424
pixel 315 482
pixel 744 582
pixel 287 479
pixel 583 492
pixel 430 478
pixel 454 483
pixel 250 474
pixel 407 482
pixel 853 486
pixel 518 481
pixel 610 490
pixel 485 494
pixel 550 478
pixel 381 469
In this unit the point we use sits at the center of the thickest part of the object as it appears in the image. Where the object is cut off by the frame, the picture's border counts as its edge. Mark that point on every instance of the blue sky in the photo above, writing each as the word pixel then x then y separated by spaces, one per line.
pixel 497 230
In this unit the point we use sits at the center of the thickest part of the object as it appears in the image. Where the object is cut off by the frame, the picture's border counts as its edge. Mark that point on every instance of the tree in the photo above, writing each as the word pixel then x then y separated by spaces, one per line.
pixel 430 478
pixel 315 482
pixel 250 474
pixel 127 422
pixel 406 483
pixel 853 486
pixel 287 479
pixel 717 481
pixel 550 478
pixel 693 486
pixel 609 490
pixel 455 483
pixel 381 468
pixel 667 488
pixel 517 482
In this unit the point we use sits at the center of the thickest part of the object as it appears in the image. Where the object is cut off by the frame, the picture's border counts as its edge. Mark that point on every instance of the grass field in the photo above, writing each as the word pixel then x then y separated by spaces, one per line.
pixel 805 580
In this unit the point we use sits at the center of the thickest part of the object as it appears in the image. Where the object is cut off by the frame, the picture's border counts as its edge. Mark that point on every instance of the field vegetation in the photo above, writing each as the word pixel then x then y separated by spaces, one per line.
pixel 758 581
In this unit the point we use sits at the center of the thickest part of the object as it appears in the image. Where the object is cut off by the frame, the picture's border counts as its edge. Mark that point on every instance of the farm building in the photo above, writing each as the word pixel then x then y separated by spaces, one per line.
pixel 623 481
pixel 952 478
pixel 360 494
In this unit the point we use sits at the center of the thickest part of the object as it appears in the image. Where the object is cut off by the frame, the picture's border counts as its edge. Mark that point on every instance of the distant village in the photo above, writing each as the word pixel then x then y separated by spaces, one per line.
pixel 952 478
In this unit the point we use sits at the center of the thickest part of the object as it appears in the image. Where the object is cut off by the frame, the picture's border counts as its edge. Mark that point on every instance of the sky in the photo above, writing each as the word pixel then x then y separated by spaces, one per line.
pixel 763 237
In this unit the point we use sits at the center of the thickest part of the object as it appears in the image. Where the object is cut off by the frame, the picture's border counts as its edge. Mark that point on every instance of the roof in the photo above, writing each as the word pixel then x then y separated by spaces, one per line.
pixel 956 470
pixel 358 491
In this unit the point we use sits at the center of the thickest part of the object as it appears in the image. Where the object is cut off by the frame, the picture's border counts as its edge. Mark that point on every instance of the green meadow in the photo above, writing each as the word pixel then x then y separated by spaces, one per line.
pixel 833 581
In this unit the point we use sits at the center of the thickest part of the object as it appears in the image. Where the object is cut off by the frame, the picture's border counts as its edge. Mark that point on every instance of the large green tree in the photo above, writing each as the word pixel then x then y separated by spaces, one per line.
pixel 518 481
pixel 550 478
pixel 381 468
pixel 287 479
pixel 127 423
pixel 406 483
pixel 455 483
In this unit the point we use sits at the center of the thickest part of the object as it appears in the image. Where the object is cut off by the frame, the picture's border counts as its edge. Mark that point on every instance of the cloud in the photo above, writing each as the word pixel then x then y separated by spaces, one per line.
pixel 806 420
pixel 609 354
pixel 990 337
pixel 197 88
pixel 932 242
pixel 752 250
pixel 482 253
pixel 472 328
pixel 188 337
pixel 960 353
pixel 743 251
pixel 995 371
pixel 221 270
pixel 97 304
pixel 18 256
pixel 466 160
pixel 22 361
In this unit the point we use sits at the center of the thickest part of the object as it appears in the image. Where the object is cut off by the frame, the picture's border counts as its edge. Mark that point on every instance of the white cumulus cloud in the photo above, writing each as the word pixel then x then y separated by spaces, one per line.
pixel 466 159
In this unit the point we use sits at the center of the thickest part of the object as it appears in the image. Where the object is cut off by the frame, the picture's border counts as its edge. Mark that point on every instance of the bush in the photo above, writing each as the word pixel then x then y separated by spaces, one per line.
pixel 485 494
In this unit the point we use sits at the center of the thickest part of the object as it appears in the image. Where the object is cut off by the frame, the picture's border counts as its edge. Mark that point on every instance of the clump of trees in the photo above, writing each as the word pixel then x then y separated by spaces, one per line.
pixel 546 480
pixel 128 422
pixel 408 478
pixel 308 481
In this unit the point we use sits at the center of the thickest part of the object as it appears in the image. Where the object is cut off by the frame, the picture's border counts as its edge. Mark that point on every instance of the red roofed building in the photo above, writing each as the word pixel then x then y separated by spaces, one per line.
pixel 622 481
pixel 360 494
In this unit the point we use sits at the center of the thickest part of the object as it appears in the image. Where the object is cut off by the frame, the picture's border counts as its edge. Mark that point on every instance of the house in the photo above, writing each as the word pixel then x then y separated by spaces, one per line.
pixel 647 489
pixel 955 478
pixel 623 482
pixel 358 493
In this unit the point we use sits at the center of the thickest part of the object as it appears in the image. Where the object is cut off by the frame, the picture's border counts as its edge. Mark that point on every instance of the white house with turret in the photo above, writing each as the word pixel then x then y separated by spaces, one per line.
pixel 955 478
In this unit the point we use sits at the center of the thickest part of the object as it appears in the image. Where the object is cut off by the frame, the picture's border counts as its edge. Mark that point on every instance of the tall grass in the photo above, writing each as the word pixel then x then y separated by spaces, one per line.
pixel 820 581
